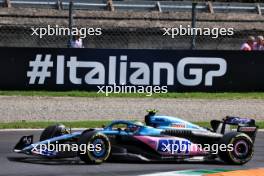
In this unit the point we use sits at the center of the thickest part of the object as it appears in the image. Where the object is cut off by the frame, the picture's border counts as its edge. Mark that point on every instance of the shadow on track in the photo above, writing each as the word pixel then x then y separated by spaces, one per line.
pixel 77 161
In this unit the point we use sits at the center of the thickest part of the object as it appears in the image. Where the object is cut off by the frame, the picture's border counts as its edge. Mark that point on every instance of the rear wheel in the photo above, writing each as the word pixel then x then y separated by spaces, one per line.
pixel 242 148
pixel 97 147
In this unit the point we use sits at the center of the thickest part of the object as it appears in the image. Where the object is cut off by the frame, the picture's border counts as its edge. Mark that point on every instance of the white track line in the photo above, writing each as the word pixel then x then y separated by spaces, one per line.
pixel 173 173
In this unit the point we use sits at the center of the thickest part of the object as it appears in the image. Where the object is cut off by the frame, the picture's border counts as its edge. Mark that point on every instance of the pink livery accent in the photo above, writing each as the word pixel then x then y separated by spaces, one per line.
pixel 172 145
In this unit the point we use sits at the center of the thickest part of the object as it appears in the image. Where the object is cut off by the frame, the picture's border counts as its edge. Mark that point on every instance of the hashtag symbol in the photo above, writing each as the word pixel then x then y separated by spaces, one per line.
pixel 39 69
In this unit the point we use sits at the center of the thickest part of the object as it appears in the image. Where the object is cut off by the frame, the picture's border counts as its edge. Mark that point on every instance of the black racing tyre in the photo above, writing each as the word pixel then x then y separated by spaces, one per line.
pixel 94 156
pixel 52 131
pixel 243 148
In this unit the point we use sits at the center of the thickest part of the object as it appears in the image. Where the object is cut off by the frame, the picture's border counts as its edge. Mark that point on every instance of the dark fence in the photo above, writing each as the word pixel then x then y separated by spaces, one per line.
pixel 130 33
pixel 122 38
pixel 218 6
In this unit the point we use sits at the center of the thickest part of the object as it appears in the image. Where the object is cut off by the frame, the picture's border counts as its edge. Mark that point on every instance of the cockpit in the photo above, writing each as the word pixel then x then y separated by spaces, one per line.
pixel 125 126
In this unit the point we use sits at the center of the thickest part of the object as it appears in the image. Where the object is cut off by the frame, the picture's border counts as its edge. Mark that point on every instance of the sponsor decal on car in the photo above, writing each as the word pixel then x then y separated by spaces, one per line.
pixel 247 129
pixel 174 146
pixel 178 125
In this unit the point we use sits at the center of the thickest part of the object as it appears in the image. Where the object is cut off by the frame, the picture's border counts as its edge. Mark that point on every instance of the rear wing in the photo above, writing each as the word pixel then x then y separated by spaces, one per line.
pixel 244 125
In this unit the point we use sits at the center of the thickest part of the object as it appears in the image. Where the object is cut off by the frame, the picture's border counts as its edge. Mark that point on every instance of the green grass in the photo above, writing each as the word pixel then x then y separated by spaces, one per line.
pixel 75 124
pixel 196 95
pixel 43 124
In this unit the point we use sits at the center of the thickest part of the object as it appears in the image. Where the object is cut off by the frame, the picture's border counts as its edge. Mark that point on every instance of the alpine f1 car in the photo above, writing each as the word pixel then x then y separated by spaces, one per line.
pixel 162 138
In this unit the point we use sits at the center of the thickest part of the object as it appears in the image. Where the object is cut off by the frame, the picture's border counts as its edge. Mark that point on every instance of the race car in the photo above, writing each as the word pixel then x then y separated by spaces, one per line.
pixel 161 138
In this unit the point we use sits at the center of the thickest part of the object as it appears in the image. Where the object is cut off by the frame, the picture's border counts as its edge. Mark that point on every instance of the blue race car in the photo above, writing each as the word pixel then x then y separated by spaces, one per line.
pixel 162 138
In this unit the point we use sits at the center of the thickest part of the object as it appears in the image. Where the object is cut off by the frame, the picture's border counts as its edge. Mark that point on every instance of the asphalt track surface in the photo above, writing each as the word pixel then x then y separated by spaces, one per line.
pixel 12 164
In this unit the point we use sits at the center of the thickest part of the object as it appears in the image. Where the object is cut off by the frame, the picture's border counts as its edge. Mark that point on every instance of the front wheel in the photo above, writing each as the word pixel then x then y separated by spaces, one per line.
pixel 242 148
pixel 97 147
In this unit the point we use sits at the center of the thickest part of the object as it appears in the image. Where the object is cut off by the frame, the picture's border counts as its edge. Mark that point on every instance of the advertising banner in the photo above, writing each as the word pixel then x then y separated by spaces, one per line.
pixel 86 69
